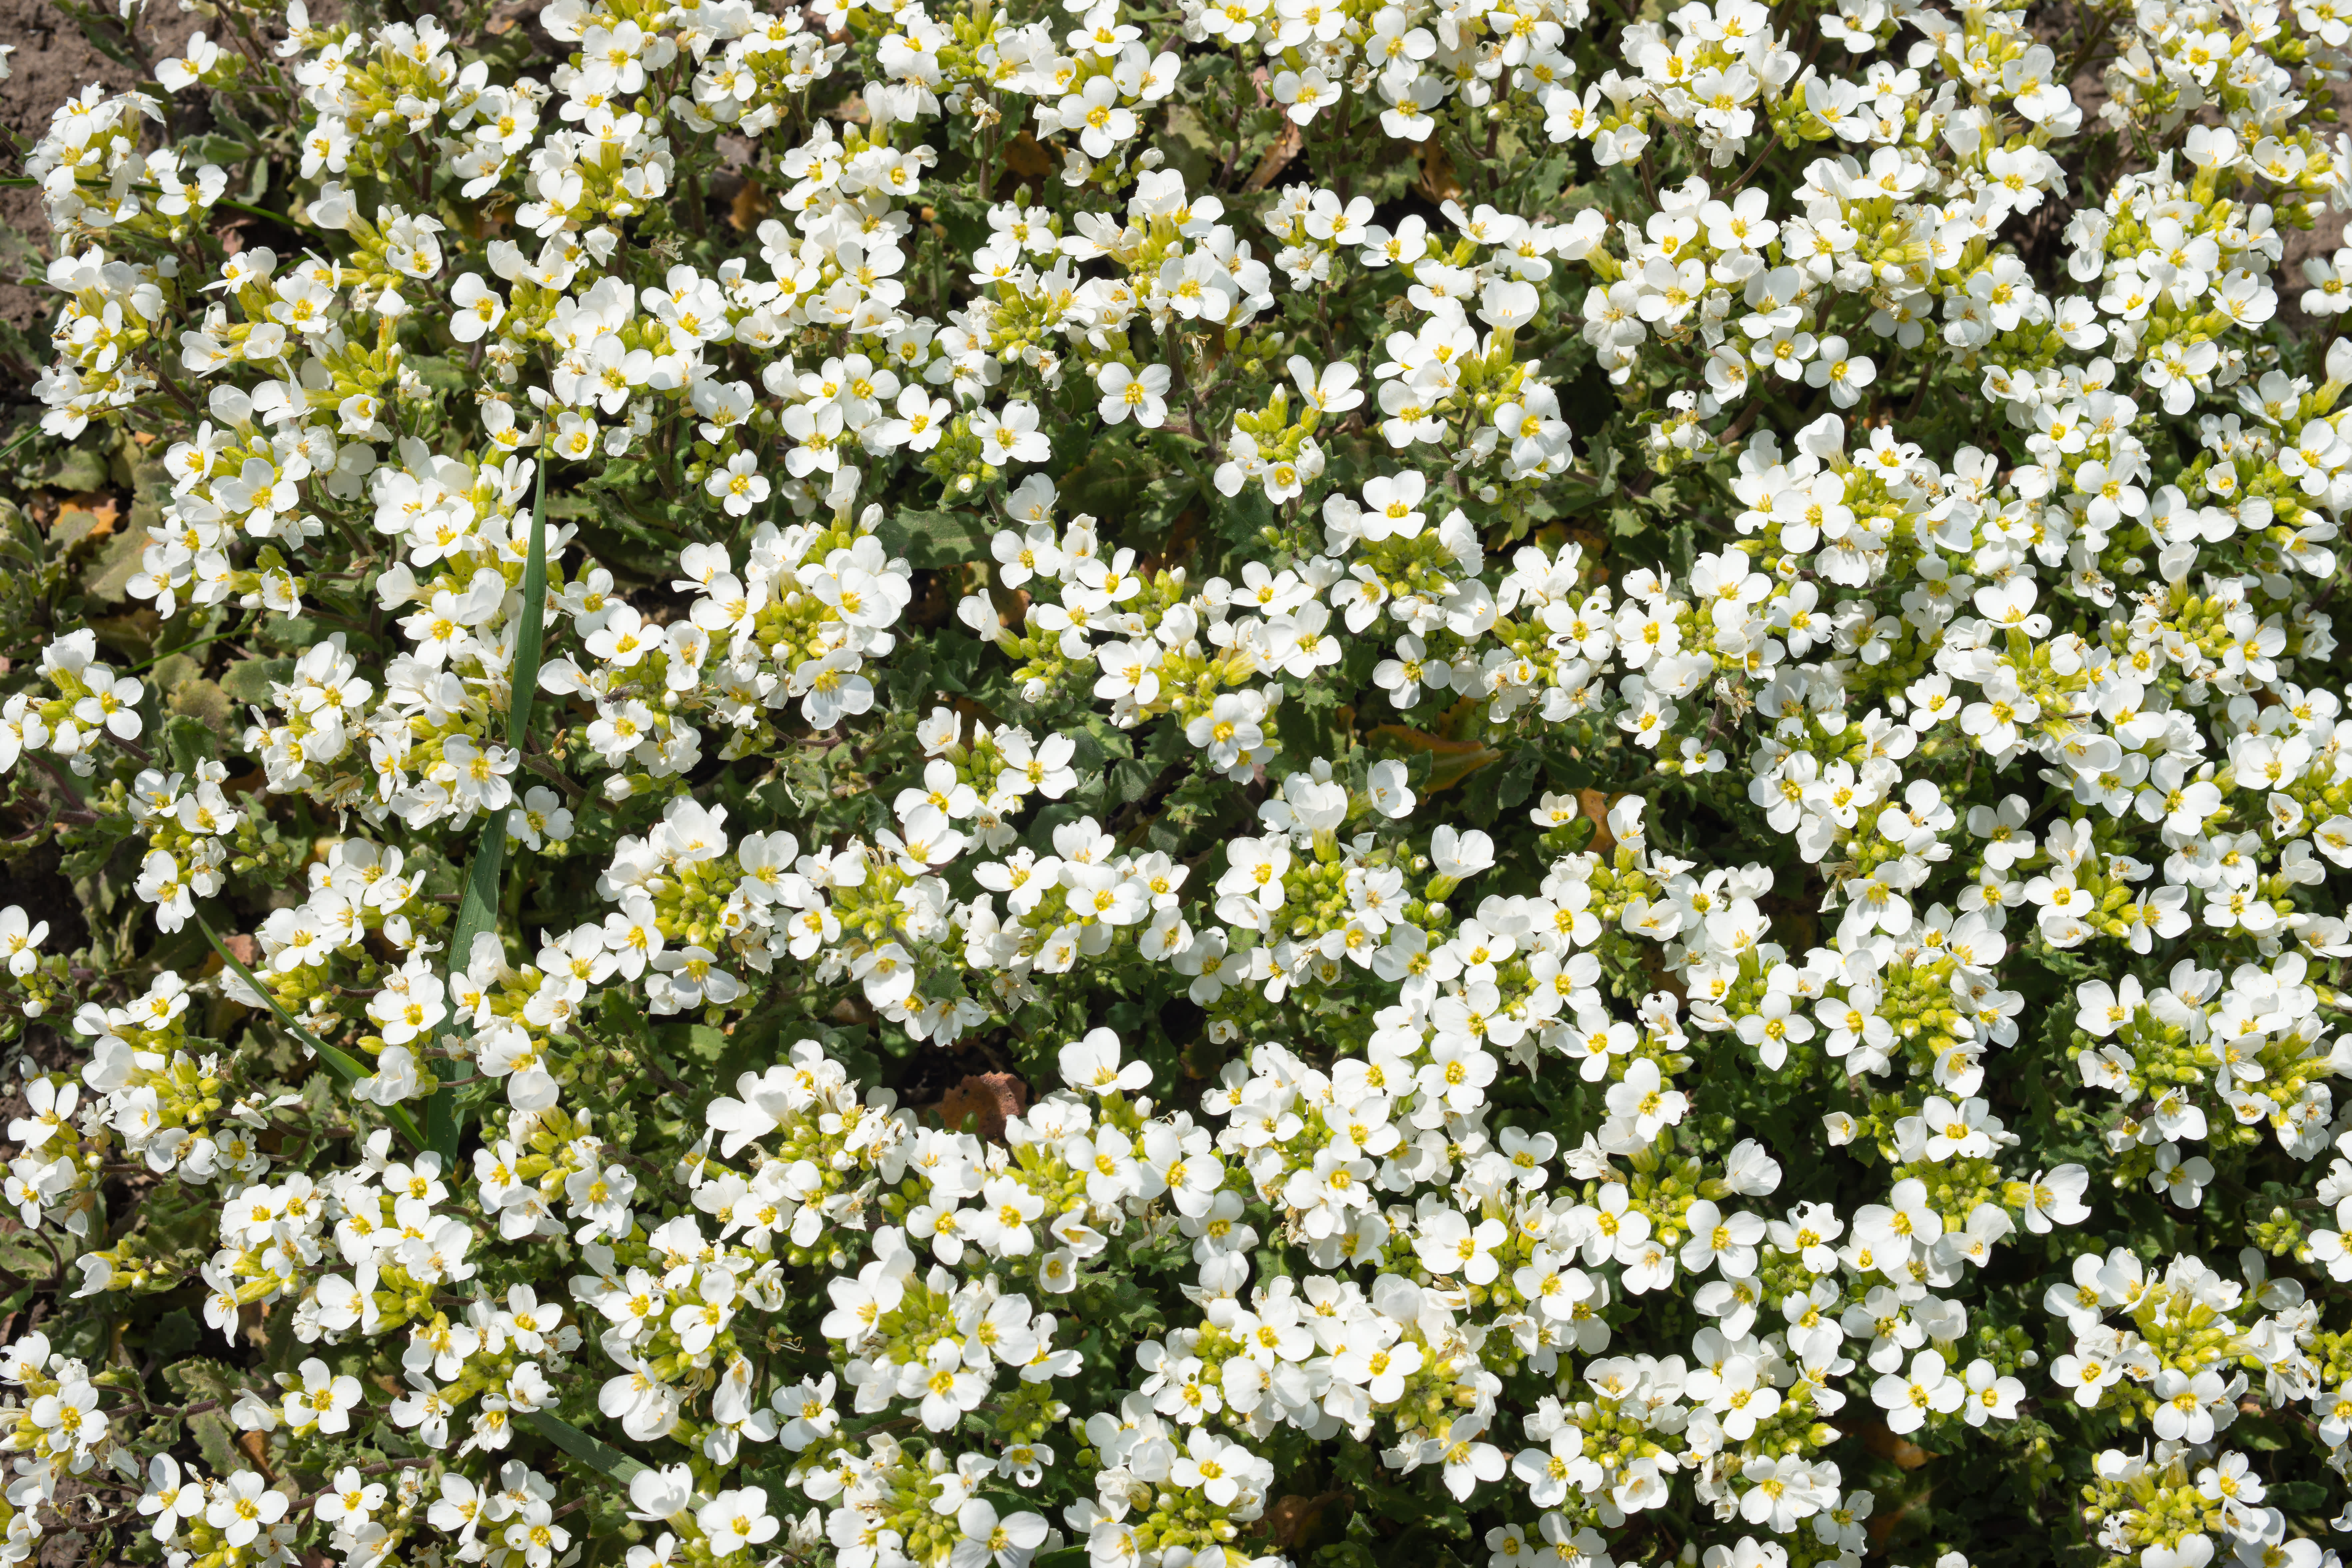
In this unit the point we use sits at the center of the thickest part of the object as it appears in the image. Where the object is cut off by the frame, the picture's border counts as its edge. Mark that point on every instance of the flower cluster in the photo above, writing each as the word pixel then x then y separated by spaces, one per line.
pixel 1184 786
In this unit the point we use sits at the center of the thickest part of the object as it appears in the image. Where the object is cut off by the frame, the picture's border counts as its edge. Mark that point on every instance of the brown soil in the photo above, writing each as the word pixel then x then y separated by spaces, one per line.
pixel 54 61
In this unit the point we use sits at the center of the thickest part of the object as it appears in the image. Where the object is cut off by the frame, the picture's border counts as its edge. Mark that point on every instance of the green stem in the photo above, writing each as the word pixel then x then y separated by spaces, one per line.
pixel 199 642
pixel 20 181
pixel 343 1064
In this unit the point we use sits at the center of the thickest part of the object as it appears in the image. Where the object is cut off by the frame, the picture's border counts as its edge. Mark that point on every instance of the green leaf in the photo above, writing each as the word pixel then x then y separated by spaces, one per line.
pixel 477 902
pixel 27 1260
pixel 930 539
pixel 288 635
pixel 249 679
pixel 189 741
pixel 78 468
pixel 109 581
pixel 439 371
pixel 71 527
pixel 1129 483
pixel 2299 1497
pixel 173 1336
pixel 212 148
pixel 343 1063
pixel 94 846
pixel 1132 780
pixel 198 1378
pixel 216 1441
pixel 1493 791
pixel 598 1455
pixel 700 1042
pixel 633 526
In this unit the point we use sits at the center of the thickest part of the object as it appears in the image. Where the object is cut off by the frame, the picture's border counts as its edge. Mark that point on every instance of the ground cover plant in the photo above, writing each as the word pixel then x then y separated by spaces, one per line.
pixel 1345 781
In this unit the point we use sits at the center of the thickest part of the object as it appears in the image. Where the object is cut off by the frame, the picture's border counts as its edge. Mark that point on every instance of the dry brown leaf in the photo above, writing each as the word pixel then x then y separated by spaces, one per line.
pixel 1594 804
pixel 1027 159
pixel 989 1098
pixel 1277 157
pixel 749 205
pixel 1596 553
pixel 1450 761
pixel 1010 605
pixel 1438 180
pixel 1297 1523
pixel 98 504
pixel 1883 1522
pixel 1886 1445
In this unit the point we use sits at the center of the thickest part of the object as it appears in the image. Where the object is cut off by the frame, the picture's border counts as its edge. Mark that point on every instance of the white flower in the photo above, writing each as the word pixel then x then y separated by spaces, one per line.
pixel 1928 1388
pixel 1641 1098
pixel 1092 1065
pixel 321 1397
pixel 1124 392
pixel 1457 854
pixel 738 486
pixel 243 1506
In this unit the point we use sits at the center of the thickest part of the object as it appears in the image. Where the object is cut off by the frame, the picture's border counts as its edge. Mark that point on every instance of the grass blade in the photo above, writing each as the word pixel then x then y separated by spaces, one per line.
pixel 477 901
pixel 593 1452
pixel 478 911
pixel 523 689
pixel 341 1063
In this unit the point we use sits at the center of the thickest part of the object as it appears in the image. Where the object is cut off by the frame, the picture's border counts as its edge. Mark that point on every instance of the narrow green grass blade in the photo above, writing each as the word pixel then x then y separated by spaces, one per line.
pixel 523 689
pixel 341 1063
pixel 593 1452
pixel 477 901
pixel 478 911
